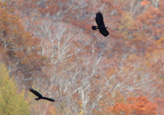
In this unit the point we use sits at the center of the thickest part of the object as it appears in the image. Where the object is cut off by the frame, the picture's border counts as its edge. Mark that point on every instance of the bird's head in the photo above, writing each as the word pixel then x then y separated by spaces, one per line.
pixel 37 99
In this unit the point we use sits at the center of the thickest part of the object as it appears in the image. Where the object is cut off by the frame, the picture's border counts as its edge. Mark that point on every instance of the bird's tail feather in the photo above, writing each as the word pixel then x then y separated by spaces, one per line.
pixel 94 27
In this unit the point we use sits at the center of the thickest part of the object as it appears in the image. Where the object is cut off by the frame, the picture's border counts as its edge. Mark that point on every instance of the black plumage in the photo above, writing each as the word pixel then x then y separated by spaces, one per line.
pixel 101 25
pixel 40 96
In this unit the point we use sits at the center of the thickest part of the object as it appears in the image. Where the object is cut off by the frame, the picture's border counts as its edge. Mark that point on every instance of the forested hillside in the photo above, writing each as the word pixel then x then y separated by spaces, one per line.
pixel 49 45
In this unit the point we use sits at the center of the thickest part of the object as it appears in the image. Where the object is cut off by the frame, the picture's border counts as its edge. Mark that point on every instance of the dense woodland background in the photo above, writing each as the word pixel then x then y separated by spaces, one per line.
pixel 49 45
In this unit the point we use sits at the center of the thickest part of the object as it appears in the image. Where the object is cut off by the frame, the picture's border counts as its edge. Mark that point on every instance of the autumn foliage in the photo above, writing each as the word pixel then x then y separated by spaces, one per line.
pixel 134 105
pixel 49 45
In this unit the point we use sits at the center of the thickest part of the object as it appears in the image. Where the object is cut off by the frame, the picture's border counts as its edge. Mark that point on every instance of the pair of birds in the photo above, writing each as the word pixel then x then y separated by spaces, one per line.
pixel 103 31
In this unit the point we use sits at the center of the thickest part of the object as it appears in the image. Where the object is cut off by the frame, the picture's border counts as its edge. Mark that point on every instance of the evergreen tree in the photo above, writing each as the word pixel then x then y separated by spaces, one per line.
pixel 11 103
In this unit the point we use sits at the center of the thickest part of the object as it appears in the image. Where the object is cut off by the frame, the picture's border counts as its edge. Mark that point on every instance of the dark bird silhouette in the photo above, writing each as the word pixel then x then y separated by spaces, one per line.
pixel 101 25
pixel 40 96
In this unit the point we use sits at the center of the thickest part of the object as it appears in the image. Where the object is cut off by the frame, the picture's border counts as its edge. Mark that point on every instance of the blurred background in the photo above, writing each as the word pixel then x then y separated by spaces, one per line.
pixel 49 45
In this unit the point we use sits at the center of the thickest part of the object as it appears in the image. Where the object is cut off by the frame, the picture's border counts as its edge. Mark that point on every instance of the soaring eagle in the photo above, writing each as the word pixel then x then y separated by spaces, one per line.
pixel 101 25
pixel 40 96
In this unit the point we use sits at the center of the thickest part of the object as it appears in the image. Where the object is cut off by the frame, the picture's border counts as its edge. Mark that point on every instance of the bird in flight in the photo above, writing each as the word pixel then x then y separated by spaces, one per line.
pixel 40 96
pixel 101 25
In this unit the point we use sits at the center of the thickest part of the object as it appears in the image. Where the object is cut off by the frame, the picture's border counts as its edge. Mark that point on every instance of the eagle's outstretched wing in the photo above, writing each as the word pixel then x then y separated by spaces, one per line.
pixel 36 93
pixel 99 19
pixel 104 31
pixel 49 99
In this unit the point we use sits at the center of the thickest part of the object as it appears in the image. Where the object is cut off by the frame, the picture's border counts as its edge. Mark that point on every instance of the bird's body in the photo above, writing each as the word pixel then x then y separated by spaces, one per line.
pixel 101 25
pixel 39 96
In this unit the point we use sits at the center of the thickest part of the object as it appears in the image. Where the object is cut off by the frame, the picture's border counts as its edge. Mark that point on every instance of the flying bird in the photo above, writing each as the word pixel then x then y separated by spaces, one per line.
pixel 40 96
pixel 101 25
